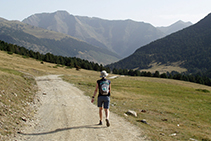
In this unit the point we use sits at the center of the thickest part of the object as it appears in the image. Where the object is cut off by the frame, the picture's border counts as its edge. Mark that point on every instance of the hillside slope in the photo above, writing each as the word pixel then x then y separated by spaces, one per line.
pixel 121 37
pixel 44 41
pixel 189 48
pixel 170 105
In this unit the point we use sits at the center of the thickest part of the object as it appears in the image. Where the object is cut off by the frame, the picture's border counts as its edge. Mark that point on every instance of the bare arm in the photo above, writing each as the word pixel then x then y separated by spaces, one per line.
pixel 95 92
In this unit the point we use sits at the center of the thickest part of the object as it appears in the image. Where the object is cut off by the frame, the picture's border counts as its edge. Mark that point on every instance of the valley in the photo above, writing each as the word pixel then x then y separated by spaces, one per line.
pixel 48 96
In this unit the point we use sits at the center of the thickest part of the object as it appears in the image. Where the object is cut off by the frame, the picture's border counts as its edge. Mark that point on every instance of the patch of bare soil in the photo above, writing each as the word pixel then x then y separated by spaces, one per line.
pixel 65 114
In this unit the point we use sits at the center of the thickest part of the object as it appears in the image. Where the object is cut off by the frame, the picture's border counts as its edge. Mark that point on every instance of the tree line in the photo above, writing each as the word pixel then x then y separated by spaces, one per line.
pixel 70 62
pixel 73 62
pixel 195 78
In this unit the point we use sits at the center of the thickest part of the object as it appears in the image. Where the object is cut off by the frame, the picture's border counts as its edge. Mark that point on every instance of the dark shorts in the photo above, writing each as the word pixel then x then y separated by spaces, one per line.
pixel 103 101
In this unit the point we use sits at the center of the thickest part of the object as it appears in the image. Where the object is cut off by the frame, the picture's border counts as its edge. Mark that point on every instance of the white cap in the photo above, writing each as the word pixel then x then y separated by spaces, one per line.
pixel 103 73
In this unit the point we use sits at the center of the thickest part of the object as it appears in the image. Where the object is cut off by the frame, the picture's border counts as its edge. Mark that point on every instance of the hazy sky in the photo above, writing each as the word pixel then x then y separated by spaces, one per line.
pixel 155 12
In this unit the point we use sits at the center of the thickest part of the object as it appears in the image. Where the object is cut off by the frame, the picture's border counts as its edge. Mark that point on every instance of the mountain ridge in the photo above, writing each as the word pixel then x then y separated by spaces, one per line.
pixel 120 36
pixel 190 46
pixel 44 41
pixel 174 27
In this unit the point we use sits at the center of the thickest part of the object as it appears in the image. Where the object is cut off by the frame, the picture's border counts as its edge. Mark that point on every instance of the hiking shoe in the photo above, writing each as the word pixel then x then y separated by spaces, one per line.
pixel 107 123
pixel 100 123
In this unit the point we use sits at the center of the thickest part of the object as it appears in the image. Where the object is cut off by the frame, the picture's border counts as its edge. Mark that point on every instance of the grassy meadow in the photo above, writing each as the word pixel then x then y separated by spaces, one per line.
pixel 174 110
pixel 169 106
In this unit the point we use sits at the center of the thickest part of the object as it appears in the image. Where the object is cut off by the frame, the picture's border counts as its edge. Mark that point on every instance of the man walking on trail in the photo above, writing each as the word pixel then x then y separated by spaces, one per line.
pixel 104 87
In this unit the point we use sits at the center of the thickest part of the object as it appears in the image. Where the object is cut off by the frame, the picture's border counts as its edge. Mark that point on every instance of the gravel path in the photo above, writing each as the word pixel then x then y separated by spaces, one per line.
pixel 65 114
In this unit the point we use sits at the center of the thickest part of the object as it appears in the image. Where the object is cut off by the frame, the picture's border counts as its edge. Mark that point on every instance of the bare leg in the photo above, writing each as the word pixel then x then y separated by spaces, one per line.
pixel 107 113
pixel 107 117
pixel 101 113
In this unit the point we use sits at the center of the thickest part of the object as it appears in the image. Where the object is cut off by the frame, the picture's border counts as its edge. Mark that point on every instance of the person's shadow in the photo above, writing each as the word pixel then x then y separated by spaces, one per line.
pixel 64 129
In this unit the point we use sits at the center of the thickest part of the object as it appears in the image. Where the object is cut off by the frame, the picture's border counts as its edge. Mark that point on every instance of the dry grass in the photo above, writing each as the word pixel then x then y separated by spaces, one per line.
pixel 17 90
pixel 171 106
pixel 165 68
pixel 16 95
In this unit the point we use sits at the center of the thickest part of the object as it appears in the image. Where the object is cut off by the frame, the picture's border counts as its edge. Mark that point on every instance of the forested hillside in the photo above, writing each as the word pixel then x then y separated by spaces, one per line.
pixel 69 62
pixel 190 47
pixel 73 62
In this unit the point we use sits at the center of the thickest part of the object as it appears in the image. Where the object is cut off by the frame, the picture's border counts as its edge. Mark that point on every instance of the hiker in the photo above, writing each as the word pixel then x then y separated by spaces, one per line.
pixel 104 87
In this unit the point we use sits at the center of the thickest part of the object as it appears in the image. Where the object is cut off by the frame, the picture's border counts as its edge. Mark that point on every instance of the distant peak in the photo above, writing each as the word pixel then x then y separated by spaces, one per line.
pixel 63 12
pixel 180 21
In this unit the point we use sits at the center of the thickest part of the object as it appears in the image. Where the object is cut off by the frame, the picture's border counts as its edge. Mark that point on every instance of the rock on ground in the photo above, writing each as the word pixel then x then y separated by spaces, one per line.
pixel 66 114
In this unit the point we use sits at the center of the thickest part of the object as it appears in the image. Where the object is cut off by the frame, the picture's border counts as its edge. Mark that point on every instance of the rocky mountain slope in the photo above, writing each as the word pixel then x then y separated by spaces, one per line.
pixel 44 41
pixel 120 36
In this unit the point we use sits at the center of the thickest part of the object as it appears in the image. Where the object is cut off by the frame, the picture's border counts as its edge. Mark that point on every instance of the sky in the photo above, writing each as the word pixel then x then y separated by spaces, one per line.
pixel 155 12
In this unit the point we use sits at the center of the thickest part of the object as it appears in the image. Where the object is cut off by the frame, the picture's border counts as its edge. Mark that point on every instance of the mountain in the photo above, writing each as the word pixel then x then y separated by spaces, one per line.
pixel 120 36
pixel 174 27
pixel 189 48
pixel 44 41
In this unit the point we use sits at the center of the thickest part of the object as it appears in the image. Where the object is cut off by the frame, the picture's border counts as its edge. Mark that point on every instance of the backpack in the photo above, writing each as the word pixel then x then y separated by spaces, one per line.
pixel 104 87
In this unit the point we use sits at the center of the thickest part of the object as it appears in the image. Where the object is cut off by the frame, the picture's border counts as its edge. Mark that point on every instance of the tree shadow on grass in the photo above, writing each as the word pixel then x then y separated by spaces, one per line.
pixel 64 129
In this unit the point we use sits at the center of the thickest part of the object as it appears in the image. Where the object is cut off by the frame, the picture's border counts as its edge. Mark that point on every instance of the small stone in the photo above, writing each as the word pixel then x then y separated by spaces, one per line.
pixel 193 139
pixel 125 115
pixel 164 119
pixel 133 113
pixel 162 134
pixel 143 121
pixel 174 134
pixel 3 91
pixel 144 111
pixel 15 94
pixel 24 119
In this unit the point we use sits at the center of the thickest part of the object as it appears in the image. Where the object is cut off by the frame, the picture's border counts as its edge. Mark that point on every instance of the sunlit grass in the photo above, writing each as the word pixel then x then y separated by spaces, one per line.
pixel 171 106
pixel 17 91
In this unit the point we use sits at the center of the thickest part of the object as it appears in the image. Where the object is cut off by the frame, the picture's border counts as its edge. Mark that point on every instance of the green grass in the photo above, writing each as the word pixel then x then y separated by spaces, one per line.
pixel 10 71
pixel 169 108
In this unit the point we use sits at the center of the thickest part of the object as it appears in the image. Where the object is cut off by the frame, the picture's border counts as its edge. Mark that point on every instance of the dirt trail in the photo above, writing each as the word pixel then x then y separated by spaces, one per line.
pixel 65 114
